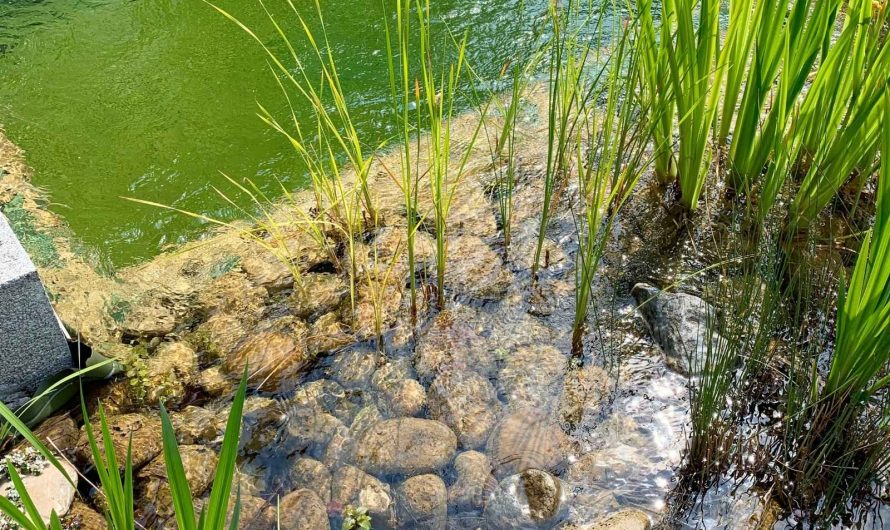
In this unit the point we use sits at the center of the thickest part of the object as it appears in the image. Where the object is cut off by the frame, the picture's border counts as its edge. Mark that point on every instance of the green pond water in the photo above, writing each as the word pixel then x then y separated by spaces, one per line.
pixel 154 98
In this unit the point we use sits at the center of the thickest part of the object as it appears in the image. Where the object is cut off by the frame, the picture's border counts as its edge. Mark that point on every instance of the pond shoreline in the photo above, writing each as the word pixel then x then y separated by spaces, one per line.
pixel 488 385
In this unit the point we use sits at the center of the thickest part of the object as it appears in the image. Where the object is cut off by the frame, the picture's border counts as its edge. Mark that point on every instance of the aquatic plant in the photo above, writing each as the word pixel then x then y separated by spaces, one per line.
pixel 692 61
pixel 566 65
pixel 844 444
pixel 401 94
pixel 118 492
pixel 437 92
pixel 215 512
pixel 356 518
pixel 506 174
pixel 344 204
pixel 841 117
pixel 610 152
pixel 654 70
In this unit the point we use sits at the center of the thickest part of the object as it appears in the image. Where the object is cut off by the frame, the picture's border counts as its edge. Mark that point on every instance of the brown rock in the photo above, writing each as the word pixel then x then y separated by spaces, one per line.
pixel 327 396
pixel 152 489
pixel 423 502
pixel 475 269
pixel 452 344
pixel 144 430
pixel 584 388
pixel 214 382
pixel 307 473
pixel 526 439
pixel 544 493
pixel 403 398
pixel 354 367
pixel 328 334
pixel 260 422
pixel 273 355
pixel 149 318
pixel 353 487
pixel 405 446
pixel 623 520
pixel 533 377
pixel 82 517
pixel 235 295
pixel 466 402
pixel 303 510
pixel 56 432
pixel 318 293
pixel 528 501
pixel 474 481
pixel 172 369
pixel 220 335
pixel 267 271
pixel 197 425
pixel 256 514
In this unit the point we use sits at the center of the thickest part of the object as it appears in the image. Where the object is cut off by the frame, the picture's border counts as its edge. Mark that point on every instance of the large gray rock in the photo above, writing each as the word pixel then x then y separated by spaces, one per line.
pixel 32 346
pixel 679 324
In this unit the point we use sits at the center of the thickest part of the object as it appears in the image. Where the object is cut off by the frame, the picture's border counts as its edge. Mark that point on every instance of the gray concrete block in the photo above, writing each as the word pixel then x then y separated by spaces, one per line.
pixel 32 346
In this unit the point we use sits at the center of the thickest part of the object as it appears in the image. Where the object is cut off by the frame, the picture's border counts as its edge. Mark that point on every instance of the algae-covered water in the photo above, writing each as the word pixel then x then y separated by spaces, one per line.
pixel 154 99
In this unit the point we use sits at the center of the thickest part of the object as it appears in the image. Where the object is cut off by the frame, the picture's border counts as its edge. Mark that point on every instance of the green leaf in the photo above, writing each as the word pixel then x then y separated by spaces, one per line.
pixel 217 506
pixel 179 486
pixel 13 512
pixel 30 508
pixel 35 442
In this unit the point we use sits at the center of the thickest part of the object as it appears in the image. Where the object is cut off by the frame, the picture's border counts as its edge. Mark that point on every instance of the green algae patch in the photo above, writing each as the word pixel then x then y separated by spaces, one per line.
pixel 39 245
pixel 223 266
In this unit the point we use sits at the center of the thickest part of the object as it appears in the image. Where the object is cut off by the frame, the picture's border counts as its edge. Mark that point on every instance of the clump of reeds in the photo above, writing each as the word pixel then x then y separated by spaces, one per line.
pixel 785 89
pixel 567 58
pixel 843 445
pixel 437 92
pixel 830 442
pixel 610 157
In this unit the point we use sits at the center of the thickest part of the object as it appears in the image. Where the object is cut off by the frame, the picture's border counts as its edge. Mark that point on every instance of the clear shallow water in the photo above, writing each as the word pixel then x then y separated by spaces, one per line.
pixel 113 98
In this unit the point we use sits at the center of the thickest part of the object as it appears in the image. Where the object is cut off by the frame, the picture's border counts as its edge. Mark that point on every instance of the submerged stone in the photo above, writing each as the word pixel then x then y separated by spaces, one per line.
pixel 466 402
pixel 273 355
pixel 524 440
pixel 302 510
pixel 308 473
pixel 143 430
pixel 679 324
pixel 531 500
pixel 405 446
pixel 353 487
pixel 473 483
pixel 533 377
pixel 152 491
pixel 423 502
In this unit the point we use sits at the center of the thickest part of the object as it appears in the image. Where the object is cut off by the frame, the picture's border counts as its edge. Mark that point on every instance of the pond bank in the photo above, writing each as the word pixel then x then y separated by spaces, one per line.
pixel 477 416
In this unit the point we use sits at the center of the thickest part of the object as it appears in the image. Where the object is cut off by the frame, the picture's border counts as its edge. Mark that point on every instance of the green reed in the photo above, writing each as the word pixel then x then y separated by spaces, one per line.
pixel 400 82
pixel 344 201
pixel 691 56
pixel 215 513
pixel 841 117
pixel 610 157
pixel 438 90
pixel 567 60
pixel 506 179
pixel 655 71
